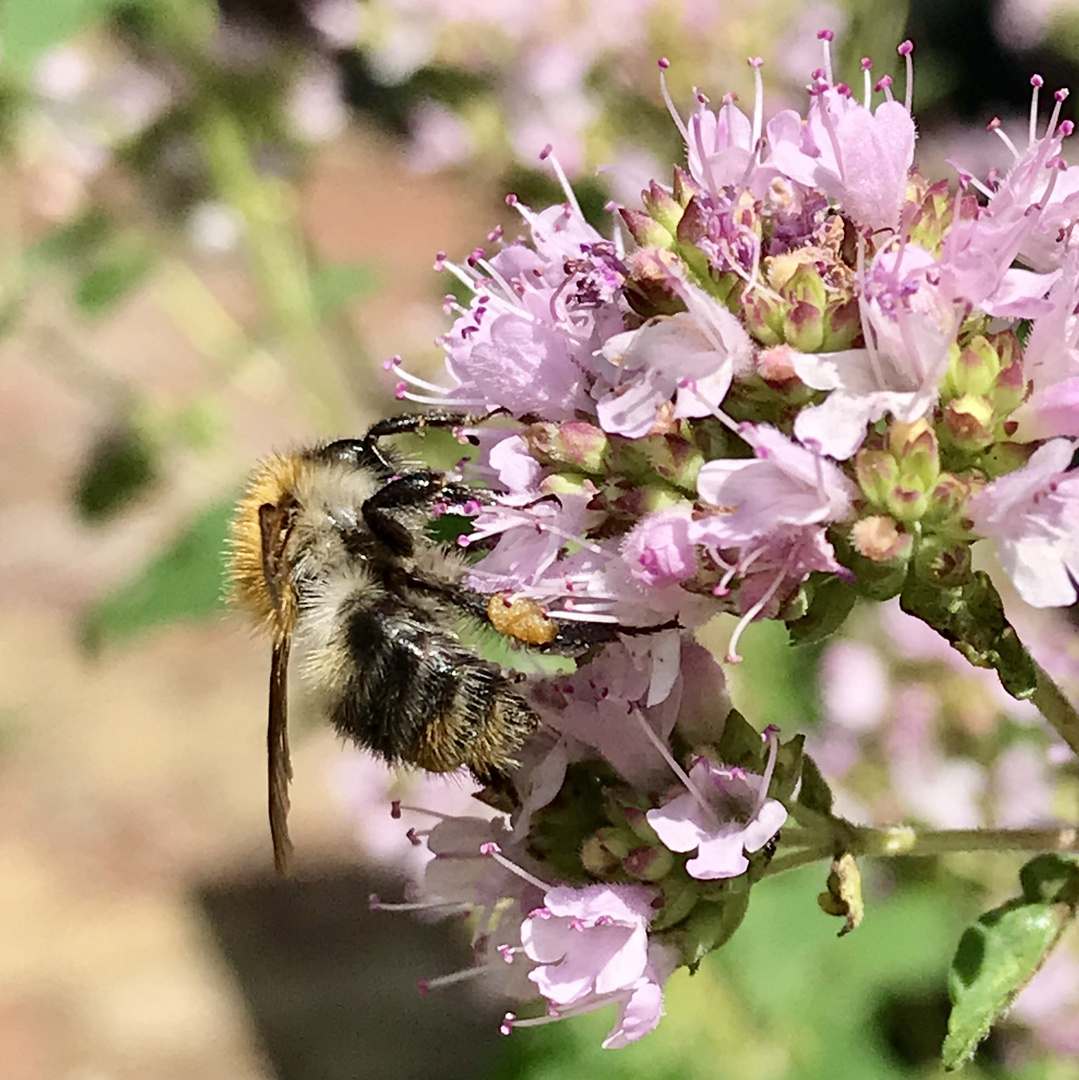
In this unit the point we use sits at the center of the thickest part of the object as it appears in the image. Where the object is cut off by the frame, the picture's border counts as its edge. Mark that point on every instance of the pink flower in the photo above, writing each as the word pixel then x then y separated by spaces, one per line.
pixel 736 816
pixel 857 157
pixel 1032 517
pixel 658 550
pixel 690 358
pixel 909 326
pixel 588 942
pixel 785 484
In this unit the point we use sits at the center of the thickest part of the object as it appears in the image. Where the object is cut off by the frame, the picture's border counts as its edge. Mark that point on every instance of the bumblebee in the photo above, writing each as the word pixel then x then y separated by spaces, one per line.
pixel 331 556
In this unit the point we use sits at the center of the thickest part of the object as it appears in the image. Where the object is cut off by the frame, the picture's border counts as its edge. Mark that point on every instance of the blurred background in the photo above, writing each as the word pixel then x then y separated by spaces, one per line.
pixel 216 222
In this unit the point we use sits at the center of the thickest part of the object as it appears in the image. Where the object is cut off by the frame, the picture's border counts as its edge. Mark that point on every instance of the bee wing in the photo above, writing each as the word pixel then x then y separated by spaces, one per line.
pixel 280 767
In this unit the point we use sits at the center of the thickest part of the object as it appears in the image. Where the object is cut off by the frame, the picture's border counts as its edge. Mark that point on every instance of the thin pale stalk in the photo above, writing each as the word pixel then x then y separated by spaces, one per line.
pixel 1057 709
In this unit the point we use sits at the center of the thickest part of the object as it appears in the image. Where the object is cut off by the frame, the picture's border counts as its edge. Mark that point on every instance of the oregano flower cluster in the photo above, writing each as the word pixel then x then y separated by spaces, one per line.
pixel 796 376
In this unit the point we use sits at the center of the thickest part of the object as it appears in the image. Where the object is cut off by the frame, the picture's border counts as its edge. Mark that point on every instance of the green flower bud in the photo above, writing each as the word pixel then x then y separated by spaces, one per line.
pixel 942 562
pixel 803 326
pixel 973 370
pixel 662 207
pixel 970 422
pixel 574 442
pixel 597 859
pixel 764 319
pixel 648 863
pixel 877 473
pixel 948 501
pixel 914 446
pixel 1009 390
pixel 646 231
pixel 906 503
pixel 842 325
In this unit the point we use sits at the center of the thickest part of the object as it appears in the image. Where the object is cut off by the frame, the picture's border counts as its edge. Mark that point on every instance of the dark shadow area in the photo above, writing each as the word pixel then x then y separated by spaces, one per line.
pixel 331 986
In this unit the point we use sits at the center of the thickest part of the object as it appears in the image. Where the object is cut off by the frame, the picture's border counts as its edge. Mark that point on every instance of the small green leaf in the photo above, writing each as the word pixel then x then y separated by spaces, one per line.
pixel 711 923
pixel 844 896
pixel 337 284
pixel 830 602
pixel 788 768
pixel 183 582
pixel 1002 951
pixel 971 619
pixel 1049 878
pixel 740 743
pixel 815 794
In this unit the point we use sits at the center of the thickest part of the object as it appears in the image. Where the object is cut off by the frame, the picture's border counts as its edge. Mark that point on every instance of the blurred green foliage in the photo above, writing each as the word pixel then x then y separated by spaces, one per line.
pixel 185 581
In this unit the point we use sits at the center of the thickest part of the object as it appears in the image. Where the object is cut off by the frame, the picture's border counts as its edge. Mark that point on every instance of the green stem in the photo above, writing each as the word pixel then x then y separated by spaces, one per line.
pixel 1057 709
pixel 905 840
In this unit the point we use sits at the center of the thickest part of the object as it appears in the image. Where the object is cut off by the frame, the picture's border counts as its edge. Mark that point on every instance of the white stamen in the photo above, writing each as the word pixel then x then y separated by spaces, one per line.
pixel 677 769
pixel 1032 126
pixel 464 975
pixel 678 122
pixel 492 850
pixel 758 102
pixel 571 198
pixel 769 769
pixel 732 656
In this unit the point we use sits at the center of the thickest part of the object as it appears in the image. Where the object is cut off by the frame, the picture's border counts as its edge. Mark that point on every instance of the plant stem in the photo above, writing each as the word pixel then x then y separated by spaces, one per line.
pixel 906 840
pixel 1057 709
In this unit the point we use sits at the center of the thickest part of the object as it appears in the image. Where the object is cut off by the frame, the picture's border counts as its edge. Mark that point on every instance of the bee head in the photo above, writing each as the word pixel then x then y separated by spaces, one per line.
pixel 259 571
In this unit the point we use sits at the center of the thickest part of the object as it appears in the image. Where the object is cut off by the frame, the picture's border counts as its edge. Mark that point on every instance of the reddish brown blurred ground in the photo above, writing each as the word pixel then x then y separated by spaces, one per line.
pixel 129 778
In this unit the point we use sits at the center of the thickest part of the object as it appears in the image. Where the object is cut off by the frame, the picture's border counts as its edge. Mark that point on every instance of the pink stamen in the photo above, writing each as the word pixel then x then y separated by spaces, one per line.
pixel 826 37
pixel 904 51
pixel 1037 82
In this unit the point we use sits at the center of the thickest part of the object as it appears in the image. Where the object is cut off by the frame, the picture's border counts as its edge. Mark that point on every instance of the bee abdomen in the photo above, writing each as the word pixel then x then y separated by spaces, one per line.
pixel 414 694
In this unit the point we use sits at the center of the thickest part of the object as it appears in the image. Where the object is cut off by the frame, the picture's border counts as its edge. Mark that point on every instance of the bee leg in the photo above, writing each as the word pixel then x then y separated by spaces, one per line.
pixel 414 489
pixel 409 422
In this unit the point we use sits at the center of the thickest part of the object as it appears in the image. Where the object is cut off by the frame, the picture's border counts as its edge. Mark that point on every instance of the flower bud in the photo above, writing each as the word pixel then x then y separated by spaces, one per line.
pixel 573 442
pixel 803 326
pixel 970 422
pixel 877 473
pixel 973 370
pixel 1009 390
pixel 942 562
pixel 914 446
pixel 880 539
pixel 764 319
pixel 662 207
pixel 648 863
pixel 597 859
pixel 646 231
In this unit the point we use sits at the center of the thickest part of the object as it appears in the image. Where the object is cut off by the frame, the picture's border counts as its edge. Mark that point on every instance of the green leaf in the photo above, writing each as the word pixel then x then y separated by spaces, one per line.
pixel 971 619
pixel 815 794
pixel 183 582
pixel 337 284
pixel 788 768
pixel 115 271
pixel 830 602
pixel 1002 951
pixel 711 923
pixel 740 743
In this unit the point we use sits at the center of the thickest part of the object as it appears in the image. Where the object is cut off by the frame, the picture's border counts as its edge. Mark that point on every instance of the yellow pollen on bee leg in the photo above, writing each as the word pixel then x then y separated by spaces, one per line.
pixel 520 618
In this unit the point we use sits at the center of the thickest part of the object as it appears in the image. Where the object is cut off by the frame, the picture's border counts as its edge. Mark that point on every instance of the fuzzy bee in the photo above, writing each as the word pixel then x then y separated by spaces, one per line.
pixel 331 555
